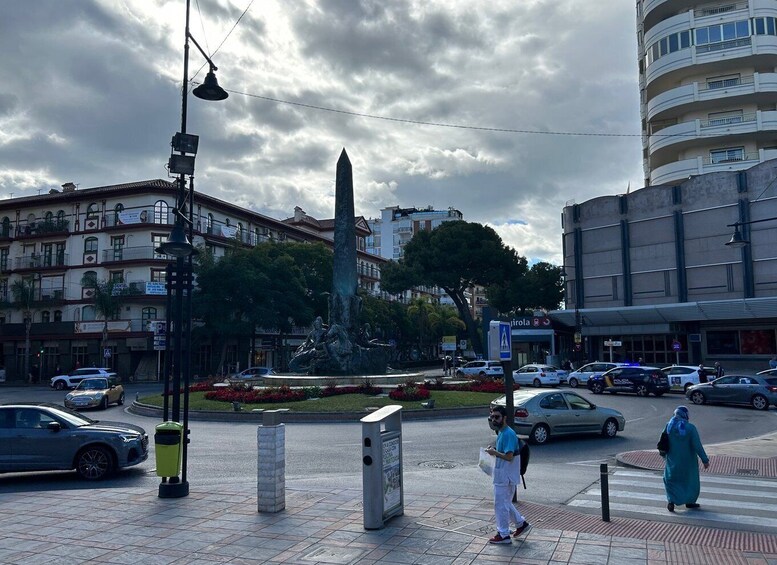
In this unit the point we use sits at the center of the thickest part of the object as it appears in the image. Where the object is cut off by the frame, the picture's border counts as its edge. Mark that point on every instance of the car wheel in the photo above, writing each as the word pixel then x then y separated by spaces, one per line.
pixel 104 403
pixel 540 434
pixel 697 397
pixel 94 463
pixel 573 383
pixel 597 388
pixel 121 399
pixel 642 390
pixel 537 383
pixel 59 385
pixel 759 402
pixel 610 428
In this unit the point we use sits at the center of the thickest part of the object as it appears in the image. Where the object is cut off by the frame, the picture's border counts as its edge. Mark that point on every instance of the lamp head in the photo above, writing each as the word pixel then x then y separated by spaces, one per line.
pixel 737 241
pixel 177 243
pixel 210 89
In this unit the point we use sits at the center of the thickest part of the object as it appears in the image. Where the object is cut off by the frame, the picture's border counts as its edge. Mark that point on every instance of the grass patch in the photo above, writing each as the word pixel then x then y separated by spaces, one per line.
pixel 341 403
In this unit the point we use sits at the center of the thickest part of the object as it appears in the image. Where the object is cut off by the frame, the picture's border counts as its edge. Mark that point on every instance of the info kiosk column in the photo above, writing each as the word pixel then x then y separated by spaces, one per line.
pixel 382 466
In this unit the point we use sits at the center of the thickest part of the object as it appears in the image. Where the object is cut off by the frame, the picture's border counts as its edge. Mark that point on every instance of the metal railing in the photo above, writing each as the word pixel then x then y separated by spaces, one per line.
pixel 721 45
pixel 728 120
pixel 720 9
pixel 38 261
pixel 42 227
pixel 130 254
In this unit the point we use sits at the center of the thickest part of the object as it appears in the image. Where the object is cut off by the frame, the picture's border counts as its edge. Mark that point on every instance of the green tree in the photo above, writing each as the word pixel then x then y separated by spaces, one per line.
pixel 444 320
pixel 455 257
pixel 419 311
pixel 250 288
pixel 316 262
pixel 540 288
pixel 23 292
pixel 107 297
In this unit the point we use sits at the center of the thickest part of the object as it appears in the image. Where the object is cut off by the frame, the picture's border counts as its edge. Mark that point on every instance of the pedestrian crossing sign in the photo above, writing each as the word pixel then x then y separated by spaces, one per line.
pixel 500 341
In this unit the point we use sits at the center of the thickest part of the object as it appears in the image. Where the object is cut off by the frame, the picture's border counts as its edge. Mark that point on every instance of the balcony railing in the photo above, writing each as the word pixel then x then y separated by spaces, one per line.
pixel 721 9
pixel 42 227
pixel 130 254
pixel 42 261
pixel 132 216
pixel 47 294
pixel 728 120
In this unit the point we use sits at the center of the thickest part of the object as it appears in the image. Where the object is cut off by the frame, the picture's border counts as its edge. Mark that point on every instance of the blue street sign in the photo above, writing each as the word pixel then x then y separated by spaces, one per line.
pixel 500 341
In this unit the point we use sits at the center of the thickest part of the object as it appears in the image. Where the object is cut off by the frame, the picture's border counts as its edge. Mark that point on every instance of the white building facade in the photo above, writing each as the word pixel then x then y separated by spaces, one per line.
pixel 708 86
pixel 396 226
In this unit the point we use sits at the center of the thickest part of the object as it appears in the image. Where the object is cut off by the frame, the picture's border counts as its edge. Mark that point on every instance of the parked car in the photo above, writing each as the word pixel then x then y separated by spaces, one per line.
pixel 61 382
pixel 581 375
pixel 542 414
pixel 767 373
pixel 46 437
pixel 96 392
pixel 253 373
pixel 759 391
pixel 639 380
pixel 683 376
pixel 537 375
pixel 481 369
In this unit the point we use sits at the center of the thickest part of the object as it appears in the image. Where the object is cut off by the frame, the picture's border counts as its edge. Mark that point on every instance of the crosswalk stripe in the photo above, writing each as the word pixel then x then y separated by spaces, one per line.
pixel 724 500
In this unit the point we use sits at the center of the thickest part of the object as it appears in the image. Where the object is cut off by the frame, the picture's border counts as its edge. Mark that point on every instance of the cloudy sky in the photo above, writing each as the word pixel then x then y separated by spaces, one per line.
pixel 90 93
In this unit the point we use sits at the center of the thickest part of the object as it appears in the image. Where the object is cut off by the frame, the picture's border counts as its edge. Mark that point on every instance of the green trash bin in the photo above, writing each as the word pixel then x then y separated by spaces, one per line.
pixel 167 439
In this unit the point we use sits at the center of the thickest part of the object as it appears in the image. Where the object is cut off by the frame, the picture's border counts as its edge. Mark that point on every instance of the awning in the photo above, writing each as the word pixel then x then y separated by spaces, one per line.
pixel 532 336
pixel 714 310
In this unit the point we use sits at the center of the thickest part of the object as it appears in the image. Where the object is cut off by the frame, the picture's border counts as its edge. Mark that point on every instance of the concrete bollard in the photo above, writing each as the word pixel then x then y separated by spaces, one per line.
pixel 271 464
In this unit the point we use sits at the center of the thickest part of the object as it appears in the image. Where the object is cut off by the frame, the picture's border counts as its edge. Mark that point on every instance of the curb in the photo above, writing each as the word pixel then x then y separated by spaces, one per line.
pixel 148 410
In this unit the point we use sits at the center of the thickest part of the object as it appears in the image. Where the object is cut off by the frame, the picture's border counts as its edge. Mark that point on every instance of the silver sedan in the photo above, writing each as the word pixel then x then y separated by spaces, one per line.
pixel 541 414
pixel 759 391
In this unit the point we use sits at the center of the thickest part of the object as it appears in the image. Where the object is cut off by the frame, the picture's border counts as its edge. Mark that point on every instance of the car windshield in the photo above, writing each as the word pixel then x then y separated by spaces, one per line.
pixel 72 417
pixel 92 384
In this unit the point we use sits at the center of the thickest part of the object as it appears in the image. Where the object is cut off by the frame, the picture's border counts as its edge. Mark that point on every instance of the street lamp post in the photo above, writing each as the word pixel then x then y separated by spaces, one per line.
pixel 179 273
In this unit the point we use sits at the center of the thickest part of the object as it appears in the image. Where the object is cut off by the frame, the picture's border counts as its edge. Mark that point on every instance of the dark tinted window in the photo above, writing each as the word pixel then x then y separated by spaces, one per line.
pixel 772 381
pixel 554 402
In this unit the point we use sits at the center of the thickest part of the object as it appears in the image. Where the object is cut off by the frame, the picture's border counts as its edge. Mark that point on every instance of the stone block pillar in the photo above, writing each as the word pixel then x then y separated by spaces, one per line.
pixel 271 465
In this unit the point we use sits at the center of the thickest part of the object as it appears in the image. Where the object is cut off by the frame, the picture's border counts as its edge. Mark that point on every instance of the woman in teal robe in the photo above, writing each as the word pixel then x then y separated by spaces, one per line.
pixel 681 469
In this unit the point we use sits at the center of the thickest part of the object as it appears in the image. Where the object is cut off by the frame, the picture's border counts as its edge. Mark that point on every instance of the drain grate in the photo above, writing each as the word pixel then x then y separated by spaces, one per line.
pixel 334 555
pixel 747 471
pixel 439 464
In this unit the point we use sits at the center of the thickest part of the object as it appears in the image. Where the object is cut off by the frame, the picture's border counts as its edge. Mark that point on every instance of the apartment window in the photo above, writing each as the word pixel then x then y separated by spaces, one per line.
pixel 117 243
pixel 79 356
pixel 45 316
pixel 722 36
pixel 725 118
pixel 4 290
pixel 90 245
pixel 117 276
pixel 724 81
pixel 209 224
pixel 57 315
pixel 727 155
pixel 5 227
pixel 61 216
pixel 88 313
pixel 91 210
pixel 146 315
pixel 117 210
pixel 161 212
pixel 157 275
pixel 48 217
pixel 156 241
pixel 764 26
pixel 4 259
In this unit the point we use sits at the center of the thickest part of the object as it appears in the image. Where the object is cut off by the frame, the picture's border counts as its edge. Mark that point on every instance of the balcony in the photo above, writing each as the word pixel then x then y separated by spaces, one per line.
pixel 40 228
pixel 681 170
pixel 695 132
pixel 759 87
pixel 131 254
pixel 129 217
pixel 45 261
pixel 49 294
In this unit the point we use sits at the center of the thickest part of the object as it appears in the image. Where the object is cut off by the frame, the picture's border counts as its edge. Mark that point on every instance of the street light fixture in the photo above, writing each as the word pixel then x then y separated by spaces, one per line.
pixel 179 273
pixel 737 241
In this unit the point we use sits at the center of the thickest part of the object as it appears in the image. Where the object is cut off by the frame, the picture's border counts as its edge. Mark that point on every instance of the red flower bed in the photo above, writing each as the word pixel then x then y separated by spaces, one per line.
pixel 409 393
pixel 352 389
pixel 280 394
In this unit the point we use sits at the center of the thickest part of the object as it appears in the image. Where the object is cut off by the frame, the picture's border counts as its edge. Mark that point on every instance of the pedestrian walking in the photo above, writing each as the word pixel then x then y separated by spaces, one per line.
pixel 702 373
pixel 719 372
pixel 773 362
pixel 506 475
pixel 681 469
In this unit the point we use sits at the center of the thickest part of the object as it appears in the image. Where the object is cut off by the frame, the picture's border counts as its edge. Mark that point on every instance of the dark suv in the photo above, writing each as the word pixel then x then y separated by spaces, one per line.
pixel 640 380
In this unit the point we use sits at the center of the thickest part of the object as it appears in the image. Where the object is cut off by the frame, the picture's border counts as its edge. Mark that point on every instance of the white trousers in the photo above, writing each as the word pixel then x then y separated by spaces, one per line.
pixel 504 510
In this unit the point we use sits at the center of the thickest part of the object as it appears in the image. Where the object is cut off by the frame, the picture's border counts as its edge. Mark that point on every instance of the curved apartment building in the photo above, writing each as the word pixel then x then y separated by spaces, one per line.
pixel 708 85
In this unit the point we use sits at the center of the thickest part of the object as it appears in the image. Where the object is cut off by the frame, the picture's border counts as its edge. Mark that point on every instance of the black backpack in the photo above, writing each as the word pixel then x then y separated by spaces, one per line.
pixel 525 453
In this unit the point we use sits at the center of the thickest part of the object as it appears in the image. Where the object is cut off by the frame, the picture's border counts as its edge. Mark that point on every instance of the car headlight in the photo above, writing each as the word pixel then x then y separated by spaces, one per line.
pixel 98 395
pixel 69 397
pixel 127 438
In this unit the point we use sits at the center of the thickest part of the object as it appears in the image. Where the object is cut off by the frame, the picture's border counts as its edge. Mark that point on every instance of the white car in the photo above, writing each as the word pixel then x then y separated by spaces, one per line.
pixel 537 375
pixel 595 369
pixel 481 369
pixel 253 373
pixel 71 380
pixel 682 377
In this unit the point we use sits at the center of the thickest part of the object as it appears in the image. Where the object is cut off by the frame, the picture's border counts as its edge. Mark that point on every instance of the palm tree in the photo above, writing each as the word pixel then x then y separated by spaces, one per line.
pixel 24 295
pixel 445 320
pixel 107 298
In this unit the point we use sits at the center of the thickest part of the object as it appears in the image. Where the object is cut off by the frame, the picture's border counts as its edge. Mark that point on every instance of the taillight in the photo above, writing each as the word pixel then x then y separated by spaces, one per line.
pixel 771 388
pixel 521 413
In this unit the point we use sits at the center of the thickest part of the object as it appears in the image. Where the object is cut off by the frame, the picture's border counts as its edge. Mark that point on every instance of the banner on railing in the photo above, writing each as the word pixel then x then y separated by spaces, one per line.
pixel 132 217
pixel 228 231
pixel 97 326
